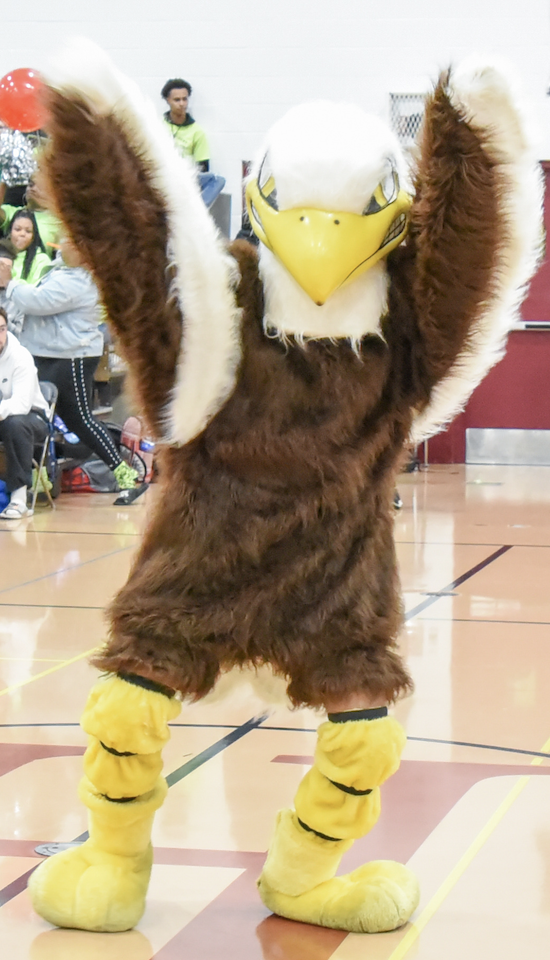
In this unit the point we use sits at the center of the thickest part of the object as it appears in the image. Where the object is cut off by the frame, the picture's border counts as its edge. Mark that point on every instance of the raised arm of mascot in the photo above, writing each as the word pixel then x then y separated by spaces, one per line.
pixel 284 390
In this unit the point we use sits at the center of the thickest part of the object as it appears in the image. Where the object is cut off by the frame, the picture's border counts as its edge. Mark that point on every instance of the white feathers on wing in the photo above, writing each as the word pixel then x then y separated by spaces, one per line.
pixel 488 97
pixel 210 347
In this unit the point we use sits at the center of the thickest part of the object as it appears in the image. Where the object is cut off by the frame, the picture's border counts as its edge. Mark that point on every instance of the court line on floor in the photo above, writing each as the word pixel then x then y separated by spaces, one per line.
pixel 426 603
pixel 38 676
pixel 81 656
pixel 518 623
pixel 480 746
pixel 449 743
pixel 313 730
pixel 462 543
pixel 457 583
pixel 214 749
pixel 460 868
pixel 57 573
pixel 17 886
pixel 83 533
pixel 51 606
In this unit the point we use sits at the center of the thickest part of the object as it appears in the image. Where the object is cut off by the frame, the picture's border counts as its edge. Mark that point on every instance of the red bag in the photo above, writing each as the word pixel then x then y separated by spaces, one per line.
pixel 93 476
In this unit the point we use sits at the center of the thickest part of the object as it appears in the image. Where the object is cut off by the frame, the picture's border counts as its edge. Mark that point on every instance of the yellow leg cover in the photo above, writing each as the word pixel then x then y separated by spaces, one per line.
pixel 298 880
pixel 102 885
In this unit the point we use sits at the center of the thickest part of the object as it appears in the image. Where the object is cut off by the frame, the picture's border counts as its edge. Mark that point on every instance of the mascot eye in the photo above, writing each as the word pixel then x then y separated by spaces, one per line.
pixel 386 191
pixel 266 183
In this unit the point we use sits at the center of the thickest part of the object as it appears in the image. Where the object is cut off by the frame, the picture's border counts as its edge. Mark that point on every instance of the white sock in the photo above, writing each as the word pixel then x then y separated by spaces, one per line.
pixel 20 495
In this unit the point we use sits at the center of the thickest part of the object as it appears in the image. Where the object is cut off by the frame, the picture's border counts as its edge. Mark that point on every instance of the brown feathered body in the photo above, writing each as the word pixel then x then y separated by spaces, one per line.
pixel 272 536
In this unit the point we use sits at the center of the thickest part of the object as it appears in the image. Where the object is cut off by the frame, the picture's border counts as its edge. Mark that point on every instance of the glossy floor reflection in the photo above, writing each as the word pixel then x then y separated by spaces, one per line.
pixel 469 808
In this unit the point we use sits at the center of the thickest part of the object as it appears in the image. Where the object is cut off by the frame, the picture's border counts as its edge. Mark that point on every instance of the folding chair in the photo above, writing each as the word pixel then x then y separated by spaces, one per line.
pixel 47 452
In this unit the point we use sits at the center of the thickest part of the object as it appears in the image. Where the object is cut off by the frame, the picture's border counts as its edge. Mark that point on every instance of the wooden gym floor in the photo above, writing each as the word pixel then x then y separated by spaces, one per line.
pixel 469 809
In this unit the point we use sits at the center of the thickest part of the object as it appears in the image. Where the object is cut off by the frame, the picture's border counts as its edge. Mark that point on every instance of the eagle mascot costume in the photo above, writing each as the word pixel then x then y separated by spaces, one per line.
pixel 282 388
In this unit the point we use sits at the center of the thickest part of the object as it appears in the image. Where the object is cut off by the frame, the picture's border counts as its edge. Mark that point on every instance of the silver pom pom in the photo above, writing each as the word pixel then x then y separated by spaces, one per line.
pixel 17 161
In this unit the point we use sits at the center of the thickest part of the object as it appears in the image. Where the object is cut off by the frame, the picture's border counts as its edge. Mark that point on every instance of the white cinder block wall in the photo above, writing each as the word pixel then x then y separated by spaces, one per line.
pixel 249 61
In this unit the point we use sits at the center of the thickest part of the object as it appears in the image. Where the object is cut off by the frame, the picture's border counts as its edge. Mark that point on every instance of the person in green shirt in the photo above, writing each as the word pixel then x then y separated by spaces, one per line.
pixel 189 136
pixel 49 226
pixel 31 262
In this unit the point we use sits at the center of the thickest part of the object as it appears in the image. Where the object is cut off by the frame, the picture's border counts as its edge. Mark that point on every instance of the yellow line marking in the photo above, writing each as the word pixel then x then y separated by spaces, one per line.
pixel 65 663
pixel 418 926
pixel 538 760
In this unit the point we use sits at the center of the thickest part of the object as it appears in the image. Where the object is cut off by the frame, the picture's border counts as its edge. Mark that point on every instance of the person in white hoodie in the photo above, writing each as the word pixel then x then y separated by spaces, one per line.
pixel 23 412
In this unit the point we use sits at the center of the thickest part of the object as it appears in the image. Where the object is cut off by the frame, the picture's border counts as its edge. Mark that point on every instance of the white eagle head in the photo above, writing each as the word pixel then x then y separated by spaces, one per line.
pixel 326 197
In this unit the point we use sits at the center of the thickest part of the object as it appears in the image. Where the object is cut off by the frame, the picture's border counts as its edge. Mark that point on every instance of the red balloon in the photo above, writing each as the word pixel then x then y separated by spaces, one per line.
pixel 21 105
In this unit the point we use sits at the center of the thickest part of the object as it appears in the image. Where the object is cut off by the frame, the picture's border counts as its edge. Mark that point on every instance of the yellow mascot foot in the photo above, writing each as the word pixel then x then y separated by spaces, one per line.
pixel 102 885
pixel 378 897
pixel 90 890
pixel 298 883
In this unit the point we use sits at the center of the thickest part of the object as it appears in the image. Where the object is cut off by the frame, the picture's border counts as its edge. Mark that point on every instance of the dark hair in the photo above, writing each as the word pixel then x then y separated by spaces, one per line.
pixel 176 84
pixel 3 314
pixel 36 242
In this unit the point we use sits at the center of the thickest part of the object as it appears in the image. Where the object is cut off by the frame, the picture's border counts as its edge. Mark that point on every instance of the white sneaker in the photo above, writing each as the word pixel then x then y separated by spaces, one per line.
pixel 15 510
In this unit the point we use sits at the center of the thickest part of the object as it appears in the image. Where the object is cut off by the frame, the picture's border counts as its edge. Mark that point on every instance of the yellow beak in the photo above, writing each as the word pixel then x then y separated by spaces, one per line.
pixel 323 249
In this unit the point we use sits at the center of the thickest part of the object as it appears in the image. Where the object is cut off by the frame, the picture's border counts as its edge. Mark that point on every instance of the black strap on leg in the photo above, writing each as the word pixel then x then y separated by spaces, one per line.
pixel 323 836
pixel 147 684
pixel 117 753
pixel 375 713
pixel 351 790
pixel 118 799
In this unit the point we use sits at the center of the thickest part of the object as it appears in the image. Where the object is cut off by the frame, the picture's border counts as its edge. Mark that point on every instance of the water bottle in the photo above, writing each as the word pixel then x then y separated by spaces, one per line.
pixel 132 438
pixel 147 454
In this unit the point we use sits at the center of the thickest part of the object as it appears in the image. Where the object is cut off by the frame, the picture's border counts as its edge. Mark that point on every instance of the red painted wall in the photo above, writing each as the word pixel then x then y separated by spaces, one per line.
pixel 515 393
pixel 537 303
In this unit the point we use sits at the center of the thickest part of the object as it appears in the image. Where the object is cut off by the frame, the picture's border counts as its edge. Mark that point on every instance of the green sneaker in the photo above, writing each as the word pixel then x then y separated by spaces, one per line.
pixel 44 483
pixel 125 476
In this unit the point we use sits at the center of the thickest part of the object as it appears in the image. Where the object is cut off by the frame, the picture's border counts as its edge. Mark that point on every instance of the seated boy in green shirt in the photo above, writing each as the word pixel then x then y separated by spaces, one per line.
pixel 189 136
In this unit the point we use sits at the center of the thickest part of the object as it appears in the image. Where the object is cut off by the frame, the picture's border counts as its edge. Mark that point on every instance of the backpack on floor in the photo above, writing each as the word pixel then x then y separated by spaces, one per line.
pixel 93 476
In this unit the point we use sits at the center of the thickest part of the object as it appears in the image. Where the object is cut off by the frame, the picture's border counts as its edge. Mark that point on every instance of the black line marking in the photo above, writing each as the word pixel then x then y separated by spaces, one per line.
pixel 445 543
pixel 437 593
pixel 478 746
pixel 521 623
pixel 48 606
pixel 258 724
pixel 83 533
pixel 17 886
pixel 200 726
pixel 482 543
pixel 456 583
pixel 55 573
pixel 214 749
pixel 453 743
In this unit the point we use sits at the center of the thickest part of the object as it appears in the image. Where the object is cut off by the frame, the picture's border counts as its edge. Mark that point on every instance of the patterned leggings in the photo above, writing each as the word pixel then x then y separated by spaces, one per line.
pixel 74 381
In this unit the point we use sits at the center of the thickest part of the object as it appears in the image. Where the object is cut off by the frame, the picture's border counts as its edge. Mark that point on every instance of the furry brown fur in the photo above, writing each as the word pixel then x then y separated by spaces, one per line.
pixel 456 230
pixel 273 541
pixel 119 224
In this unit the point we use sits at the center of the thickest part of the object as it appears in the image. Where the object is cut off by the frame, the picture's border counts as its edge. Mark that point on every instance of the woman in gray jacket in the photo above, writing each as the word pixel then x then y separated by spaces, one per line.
pixel 61 331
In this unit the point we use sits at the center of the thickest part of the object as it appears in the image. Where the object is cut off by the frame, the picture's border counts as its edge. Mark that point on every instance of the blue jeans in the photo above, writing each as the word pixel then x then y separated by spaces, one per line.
pixel 211 187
